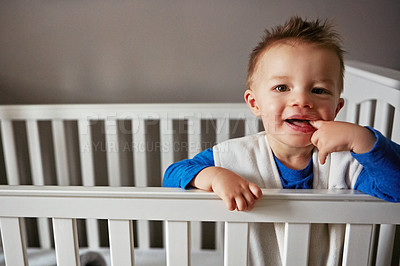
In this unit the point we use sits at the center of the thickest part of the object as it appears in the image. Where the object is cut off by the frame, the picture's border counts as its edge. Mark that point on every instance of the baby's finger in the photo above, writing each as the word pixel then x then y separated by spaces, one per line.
pixel 241 203
pixel 250 206
pixel 248 196
pixel 230 203
pixel 255 190
pixel 250 200
pixel 315 138
pixel 322 157
pixel 316 123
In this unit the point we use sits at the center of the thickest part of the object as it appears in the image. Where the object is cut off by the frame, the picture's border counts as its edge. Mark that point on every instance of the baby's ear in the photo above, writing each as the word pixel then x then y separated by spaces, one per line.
pixel 250 98
pixel 339 106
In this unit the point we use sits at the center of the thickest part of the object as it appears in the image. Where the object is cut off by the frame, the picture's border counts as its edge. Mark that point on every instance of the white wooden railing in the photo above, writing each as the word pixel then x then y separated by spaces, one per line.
pixel 298 209
pixel 138 116
pixel 372 97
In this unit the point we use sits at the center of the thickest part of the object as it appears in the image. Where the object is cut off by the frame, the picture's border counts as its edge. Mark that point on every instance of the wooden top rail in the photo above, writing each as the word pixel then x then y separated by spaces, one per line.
pixel 382 75
pixel 125 111
pixel 297 206
pixel 177 193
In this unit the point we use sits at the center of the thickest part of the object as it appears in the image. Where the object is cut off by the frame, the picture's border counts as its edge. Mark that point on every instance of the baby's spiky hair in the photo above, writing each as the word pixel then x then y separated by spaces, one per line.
pixel 319 32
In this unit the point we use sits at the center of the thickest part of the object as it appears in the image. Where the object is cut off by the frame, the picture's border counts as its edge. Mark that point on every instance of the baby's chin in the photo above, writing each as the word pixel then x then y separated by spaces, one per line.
pixel 294 140
pixel 302 144
pixel 300 140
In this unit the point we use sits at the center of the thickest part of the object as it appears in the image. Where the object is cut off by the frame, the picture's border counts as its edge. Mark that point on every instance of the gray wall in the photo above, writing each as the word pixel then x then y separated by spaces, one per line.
pixel 163 51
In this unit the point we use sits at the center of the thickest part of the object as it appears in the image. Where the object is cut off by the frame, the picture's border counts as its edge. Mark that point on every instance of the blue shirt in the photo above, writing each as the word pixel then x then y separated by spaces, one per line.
pixel 380 176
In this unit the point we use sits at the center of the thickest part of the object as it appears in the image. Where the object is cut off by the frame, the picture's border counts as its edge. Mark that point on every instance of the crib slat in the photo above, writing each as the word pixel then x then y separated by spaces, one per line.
pixel 66 242
pixel 357 244
pixel 143 234
pixel 44 232
pixel 195 235
pixel 178 243
pixel 87 165
pixel 13 241
pixel 222 134
pixel 85 147
pixel 296 247
pixel 222 130
pixel 10 154
pixel 139 149
pixel 235 233
pixel 140 174
pixel 396 126
pixel 385 244
pixel 251 125
pixel 366 113
pixel 351 112
pixel 60 152
pixel 194 142
pixel 219 236
pixel 382 117
pixel 112 145
pixel 121 242
pixel 167 141
pixel 92 232
pixel 35 156
pixel 194 136
pixel 10 160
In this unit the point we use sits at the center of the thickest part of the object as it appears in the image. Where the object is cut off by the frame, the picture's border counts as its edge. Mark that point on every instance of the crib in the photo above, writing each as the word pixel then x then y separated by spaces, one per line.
pixel 81 180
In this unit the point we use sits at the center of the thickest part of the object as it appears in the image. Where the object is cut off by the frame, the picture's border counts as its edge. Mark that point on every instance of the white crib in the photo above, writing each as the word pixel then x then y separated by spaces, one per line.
pixel 86 176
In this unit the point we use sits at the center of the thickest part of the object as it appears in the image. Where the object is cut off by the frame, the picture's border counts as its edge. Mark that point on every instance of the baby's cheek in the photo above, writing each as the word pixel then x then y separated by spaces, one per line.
pixel 271 115
pixel 332 116
pixel 270 123
pixel 329 114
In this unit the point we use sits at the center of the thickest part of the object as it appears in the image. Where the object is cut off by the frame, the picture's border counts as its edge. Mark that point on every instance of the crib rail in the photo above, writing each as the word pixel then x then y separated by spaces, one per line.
pixel 121 205
pixel 110 114
pixel 110 144
pixel 372 97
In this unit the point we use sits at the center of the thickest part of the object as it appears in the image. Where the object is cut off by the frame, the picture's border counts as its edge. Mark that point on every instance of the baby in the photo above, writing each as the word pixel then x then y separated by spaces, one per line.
pixel 295 78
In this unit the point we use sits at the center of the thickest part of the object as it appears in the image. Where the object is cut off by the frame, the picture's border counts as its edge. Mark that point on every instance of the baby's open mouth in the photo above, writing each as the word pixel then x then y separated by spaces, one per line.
pixel 298 122
pixel 302 125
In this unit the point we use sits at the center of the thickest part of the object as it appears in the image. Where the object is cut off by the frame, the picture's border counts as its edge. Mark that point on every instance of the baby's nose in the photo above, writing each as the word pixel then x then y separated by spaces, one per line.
pixel 302 99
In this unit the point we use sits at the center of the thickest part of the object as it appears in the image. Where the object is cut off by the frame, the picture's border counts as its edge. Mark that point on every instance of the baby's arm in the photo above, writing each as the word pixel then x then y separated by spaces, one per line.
pixel 201 172
pixel 380 176
pixel 379 156
pixel 234 190
pixel 334 136
pixel 181 173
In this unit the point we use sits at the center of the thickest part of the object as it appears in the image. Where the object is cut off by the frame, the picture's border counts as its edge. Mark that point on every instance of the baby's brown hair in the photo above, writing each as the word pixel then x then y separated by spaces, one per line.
pixel 316 32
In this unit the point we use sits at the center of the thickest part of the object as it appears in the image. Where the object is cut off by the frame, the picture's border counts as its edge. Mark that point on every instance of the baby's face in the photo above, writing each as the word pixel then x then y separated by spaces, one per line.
pixel 292 84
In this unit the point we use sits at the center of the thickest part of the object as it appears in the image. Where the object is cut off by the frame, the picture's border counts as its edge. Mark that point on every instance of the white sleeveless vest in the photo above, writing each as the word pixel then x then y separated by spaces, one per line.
pixel 251 157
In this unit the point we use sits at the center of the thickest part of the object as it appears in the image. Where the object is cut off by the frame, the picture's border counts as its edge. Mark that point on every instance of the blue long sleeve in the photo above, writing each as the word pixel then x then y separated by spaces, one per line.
pixel 181 173
pixel 380 176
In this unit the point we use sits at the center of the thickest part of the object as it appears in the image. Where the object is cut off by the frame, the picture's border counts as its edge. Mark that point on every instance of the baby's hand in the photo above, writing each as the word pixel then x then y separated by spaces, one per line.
pixel 334 136
pixel 237 192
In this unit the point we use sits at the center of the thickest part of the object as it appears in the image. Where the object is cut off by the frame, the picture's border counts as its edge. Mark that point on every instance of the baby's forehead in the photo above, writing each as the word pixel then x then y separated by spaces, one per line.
pixel 290 59
pixel 288 52
pixel 281 48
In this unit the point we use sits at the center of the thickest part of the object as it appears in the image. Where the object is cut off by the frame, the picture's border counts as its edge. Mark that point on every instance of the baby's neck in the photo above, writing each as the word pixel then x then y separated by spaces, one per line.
pixel 294 162
pixel 292 157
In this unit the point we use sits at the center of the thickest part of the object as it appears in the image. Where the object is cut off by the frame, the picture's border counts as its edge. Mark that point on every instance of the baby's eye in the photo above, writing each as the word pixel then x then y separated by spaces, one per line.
pixel 320 91
pixel 281 88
